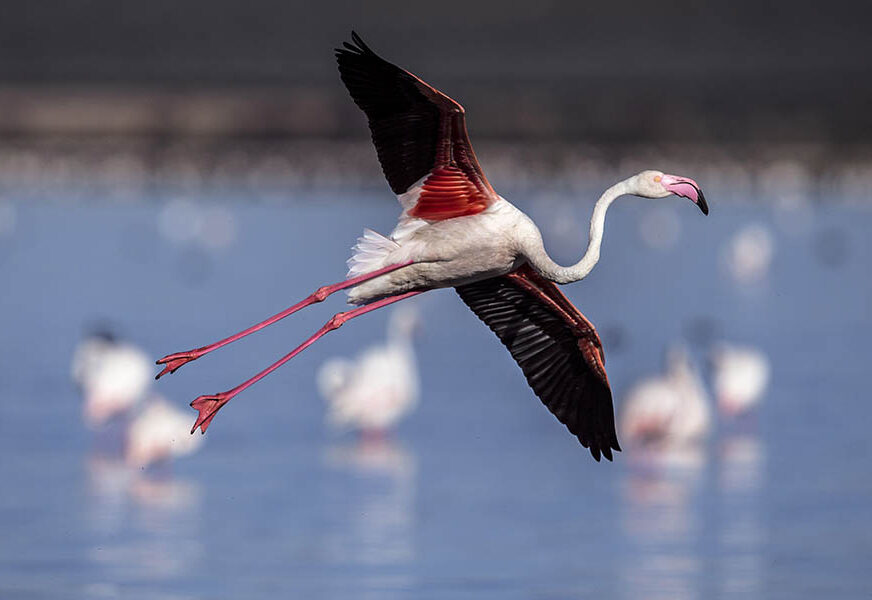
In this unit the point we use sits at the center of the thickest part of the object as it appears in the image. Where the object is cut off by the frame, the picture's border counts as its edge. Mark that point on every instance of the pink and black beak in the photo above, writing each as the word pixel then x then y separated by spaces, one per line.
pixel 686 188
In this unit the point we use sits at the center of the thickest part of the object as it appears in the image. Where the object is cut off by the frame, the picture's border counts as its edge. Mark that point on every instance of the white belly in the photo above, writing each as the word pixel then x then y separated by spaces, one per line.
pixel 448 253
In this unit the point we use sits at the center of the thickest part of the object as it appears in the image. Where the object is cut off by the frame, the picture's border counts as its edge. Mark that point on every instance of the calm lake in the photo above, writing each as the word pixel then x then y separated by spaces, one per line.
pixel 481 492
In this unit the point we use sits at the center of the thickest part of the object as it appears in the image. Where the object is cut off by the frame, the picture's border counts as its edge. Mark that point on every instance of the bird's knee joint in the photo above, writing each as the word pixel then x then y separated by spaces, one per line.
pixel 321 294
pixel 336 321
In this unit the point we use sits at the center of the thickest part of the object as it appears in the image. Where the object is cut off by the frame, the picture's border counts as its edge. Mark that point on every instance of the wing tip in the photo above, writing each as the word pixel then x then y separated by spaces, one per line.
pixel 356 47
pixel 597 450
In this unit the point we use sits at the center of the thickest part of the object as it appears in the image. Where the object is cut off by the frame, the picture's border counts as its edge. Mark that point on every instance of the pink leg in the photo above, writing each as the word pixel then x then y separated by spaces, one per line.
pixel 208 406
pixel 172 362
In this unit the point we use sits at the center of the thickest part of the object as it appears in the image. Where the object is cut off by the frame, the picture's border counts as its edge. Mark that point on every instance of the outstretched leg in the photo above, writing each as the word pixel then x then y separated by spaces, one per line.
pixel 208 406
pixel 172 362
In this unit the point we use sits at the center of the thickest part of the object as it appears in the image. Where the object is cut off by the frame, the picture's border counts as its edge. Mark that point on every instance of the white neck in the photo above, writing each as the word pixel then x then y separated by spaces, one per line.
pixel 400 329
pixel 549 269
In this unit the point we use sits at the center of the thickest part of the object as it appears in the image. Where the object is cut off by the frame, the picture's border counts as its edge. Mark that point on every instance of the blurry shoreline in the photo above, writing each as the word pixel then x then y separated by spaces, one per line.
pixel 127 168
pixel 116 143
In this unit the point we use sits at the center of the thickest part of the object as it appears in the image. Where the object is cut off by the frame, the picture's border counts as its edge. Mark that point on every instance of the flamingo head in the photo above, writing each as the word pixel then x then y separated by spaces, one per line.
pixel 654 184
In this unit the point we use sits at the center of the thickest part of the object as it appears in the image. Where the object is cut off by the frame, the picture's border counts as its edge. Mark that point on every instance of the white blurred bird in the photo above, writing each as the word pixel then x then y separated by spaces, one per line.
pixel 159 433
pixel 375 390
pixel 747 256
pixel 741 376
pixel 112 376
pixel 667 410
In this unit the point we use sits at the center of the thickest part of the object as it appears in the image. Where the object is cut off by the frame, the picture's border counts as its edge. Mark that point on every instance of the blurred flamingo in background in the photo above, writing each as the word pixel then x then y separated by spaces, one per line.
pixel 456 231
pixel 747 256
pixel 112 376
pixel 670 410
pixel 378 388
pixel 157 434
pixel 741 376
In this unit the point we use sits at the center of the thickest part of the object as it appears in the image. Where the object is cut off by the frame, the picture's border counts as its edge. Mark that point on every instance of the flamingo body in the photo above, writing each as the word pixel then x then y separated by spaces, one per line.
pixel 374 391
pixel 450 253
pixel 112 376
pixel 669 410
pixel 159 433
pixel 741 375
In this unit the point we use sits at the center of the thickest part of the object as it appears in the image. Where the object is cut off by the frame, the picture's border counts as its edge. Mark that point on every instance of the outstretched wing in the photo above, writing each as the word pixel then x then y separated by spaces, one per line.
pixel 558 350
pixel 419 134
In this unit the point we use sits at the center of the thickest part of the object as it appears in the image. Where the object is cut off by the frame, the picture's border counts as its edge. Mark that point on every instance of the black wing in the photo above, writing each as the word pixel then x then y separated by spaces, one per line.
pixel 415 127
pixel 560 355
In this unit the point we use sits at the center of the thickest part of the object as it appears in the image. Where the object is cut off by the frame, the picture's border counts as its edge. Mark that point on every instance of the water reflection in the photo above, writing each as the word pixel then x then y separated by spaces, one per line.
pixel 108 482
pixel 375 518
pixel 144 524
pixel 662 523
pixel 740 477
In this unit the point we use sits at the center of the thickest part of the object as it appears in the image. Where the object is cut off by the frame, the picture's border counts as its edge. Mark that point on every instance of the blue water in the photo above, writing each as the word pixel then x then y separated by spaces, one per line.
pixel 481 493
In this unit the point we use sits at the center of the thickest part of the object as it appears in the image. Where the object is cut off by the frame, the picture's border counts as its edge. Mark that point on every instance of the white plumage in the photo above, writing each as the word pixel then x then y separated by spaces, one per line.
pixel 375 390
pixel 748 254
pixel 741 375
pixel 369 252
pixel 669 410
pixel 112 376
pixel 158 433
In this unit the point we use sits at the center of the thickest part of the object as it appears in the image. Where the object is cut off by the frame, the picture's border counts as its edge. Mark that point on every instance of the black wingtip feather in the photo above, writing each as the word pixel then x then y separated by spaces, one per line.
pixel 357 40
pixel 356 46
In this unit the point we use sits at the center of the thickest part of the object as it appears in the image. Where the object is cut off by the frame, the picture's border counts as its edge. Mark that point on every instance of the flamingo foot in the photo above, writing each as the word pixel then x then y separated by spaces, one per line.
pixel 208 407
pixel 172 362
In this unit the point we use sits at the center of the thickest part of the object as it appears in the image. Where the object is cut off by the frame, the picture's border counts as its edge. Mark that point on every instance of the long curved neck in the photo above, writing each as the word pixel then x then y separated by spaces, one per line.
pixel 399 331
pixel 539 259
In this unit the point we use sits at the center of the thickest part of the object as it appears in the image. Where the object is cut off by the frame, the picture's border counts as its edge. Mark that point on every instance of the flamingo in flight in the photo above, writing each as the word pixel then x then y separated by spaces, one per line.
pixel 456 231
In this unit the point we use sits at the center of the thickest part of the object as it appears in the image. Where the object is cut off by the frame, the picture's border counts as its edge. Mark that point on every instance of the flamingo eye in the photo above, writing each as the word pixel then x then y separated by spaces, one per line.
pixel 657 178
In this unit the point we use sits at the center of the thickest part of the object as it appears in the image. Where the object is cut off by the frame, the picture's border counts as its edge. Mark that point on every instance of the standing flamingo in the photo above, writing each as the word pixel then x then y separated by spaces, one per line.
pixel 112 376
pixel 378 388
pixel 741 376
pixel 456 231
pixel 671 410
pixel 157 434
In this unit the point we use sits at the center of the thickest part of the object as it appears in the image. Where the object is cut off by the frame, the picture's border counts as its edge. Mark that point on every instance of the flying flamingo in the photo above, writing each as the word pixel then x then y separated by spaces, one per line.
pixel 456 231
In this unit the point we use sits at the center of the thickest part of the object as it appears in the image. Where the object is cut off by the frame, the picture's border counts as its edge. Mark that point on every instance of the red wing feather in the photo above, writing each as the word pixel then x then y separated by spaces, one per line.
pixel 448 193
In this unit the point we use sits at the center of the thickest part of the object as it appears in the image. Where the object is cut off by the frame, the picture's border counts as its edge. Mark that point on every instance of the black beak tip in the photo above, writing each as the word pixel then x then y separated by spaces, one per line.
pixel 703 205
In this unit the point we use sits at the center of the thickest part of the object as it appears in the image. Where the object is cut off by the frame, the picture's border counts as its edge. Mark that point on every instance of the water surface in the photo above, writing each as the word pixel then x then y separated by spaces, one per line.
pixel 481 493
